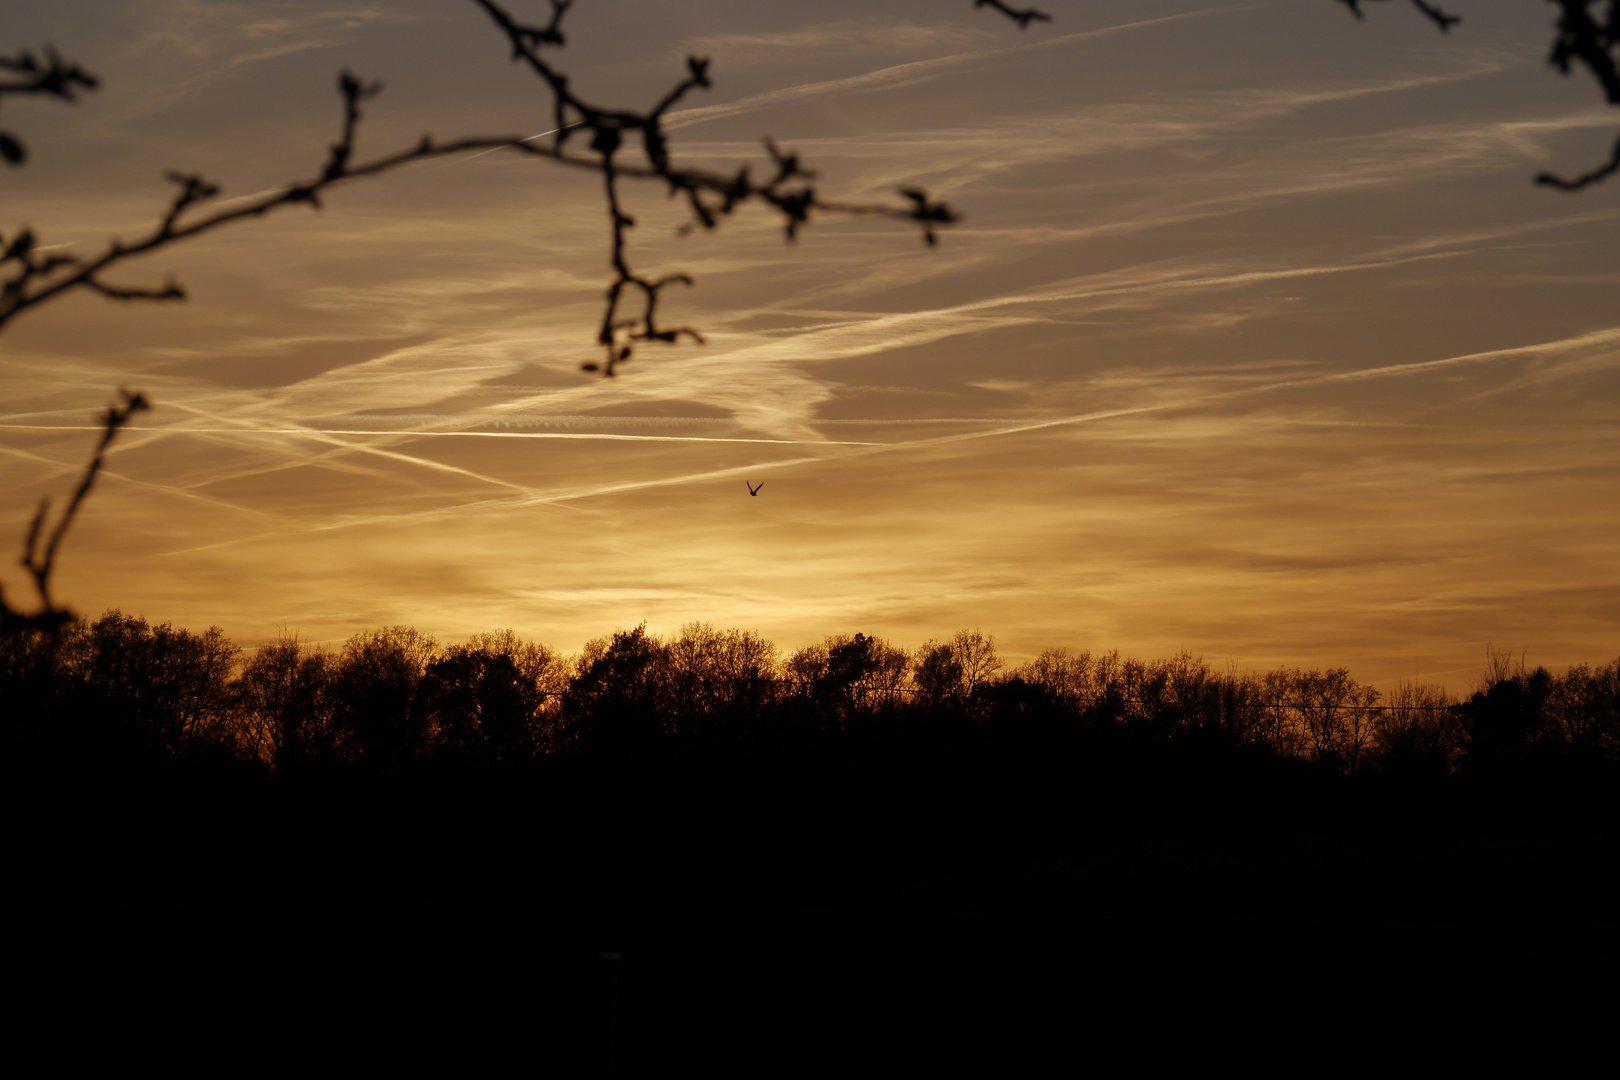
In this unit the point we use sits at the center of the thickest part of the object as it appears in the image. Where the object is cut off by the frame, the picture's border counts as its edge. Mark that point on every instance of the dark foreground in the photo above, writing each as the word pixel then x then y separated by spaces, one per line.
pixel 989 898
pixel 681 858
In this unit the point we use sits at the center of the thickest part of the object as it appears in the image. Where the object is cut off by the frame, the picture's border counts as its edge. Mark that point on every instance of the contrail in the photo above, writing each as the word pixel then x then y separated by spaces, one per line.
pixel 61 468
pixel 1596 337
pixel 249 428
pixel 532 498
pixel 905 73
pixel 317 432
pixel 531 138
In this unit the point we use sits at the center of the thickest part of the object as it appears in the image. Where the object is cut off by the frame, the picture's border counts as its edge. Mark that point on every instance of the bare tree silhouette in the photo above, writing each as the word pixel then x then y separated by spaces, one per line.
pixel 44 541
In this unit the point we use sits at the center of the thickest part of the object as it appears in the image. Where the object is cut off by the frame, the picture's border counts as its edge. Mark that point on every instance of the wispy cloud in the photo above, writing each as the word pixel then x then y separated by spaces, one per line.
pixel 870 34
pixel 909 74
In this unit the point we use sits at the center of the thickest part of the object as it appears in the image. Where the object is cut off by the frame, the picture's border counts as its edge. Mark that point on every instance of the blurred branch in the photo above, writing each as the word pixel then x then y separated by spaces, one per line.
pixel 1594 44
pixel 1432 12
pixel 43 543
pixel 1607 169
pixel 1022 16
pixel 54 78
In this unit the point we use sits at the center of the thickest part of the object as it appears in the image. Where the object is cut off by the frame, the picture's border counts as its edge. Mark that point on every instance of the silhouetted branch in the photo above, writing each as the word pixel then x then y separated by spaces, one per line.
pixel 1581 37
pixel 1595 44
pixel 1435 15
pixel 710 197
pixel 55 78
pixel 1022 16
pixel 1603 171
pixel 36 277
pixel 39 560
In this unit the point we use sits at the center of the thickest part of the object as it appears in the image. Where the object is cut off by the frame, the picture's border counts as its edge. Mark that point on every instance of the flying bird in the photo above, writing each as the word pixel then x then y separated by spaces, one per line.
pixel 752 489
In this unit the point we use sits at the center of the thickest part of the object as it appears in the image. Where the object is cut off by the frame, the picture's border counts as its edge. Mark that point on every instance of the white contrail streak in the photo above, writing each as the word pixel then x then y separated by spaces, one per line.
pixel 317 432
pixel 906 73
pixel 512 503
pixel 1597 337
pixel 531 138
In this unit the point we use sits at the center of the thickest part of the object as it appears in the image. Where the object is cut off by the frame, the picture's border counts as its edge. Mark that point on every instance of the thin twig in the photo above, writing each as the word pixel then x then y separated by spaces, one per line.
pixel 1444 21
pixel 709 197
pixel 1022 16
pixel 40 561
pixel 1607 169
pixel 54 78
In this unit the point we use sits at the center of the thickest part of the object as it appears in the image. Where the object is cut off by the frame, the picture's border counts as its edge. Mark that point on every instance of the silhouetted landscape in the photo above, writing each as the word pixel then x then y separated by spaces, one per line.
pixel 710 788
pixel 1227 352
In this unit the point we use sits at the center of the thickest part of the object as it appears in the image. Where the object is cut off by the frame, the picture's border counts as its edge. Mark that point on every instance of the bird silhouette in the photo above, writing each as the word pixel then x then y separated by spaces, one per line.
pixel 752 489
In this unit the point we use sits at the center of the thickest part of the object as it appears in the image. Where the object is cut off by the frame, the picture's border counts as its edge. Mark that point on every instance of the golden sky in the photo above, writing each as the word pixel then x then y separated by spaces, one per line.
pixel 1256 339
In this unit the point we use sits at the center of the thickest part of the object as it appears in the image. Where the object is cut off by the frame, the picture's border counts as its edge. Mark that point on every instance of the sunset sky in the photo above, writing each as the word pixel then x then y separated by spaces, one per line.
pixel 1256 339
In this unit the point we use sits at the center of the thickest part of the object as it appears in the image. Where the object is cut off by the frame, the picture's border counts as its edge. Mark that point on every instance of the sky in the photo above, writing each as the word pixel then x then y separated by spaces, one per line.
pixel 1255 339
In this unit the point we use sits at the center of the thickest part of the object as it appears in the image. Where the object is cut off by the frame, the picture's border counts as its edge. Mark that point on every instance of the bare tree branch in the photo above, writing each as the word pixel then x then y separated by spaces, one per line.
pixel 36 277
pixel 1432 12
pixel 55 78
pixel 1594 44
pixel 1022 16
pixel 710 197
pixel 33 277
pixel 1607 169
pixel 42 543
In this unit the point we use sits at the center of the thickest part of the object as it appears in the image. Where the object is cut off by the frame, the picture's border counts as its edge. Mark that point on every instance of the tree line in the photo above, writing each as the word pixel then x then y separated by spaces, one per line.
pixel 391 698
